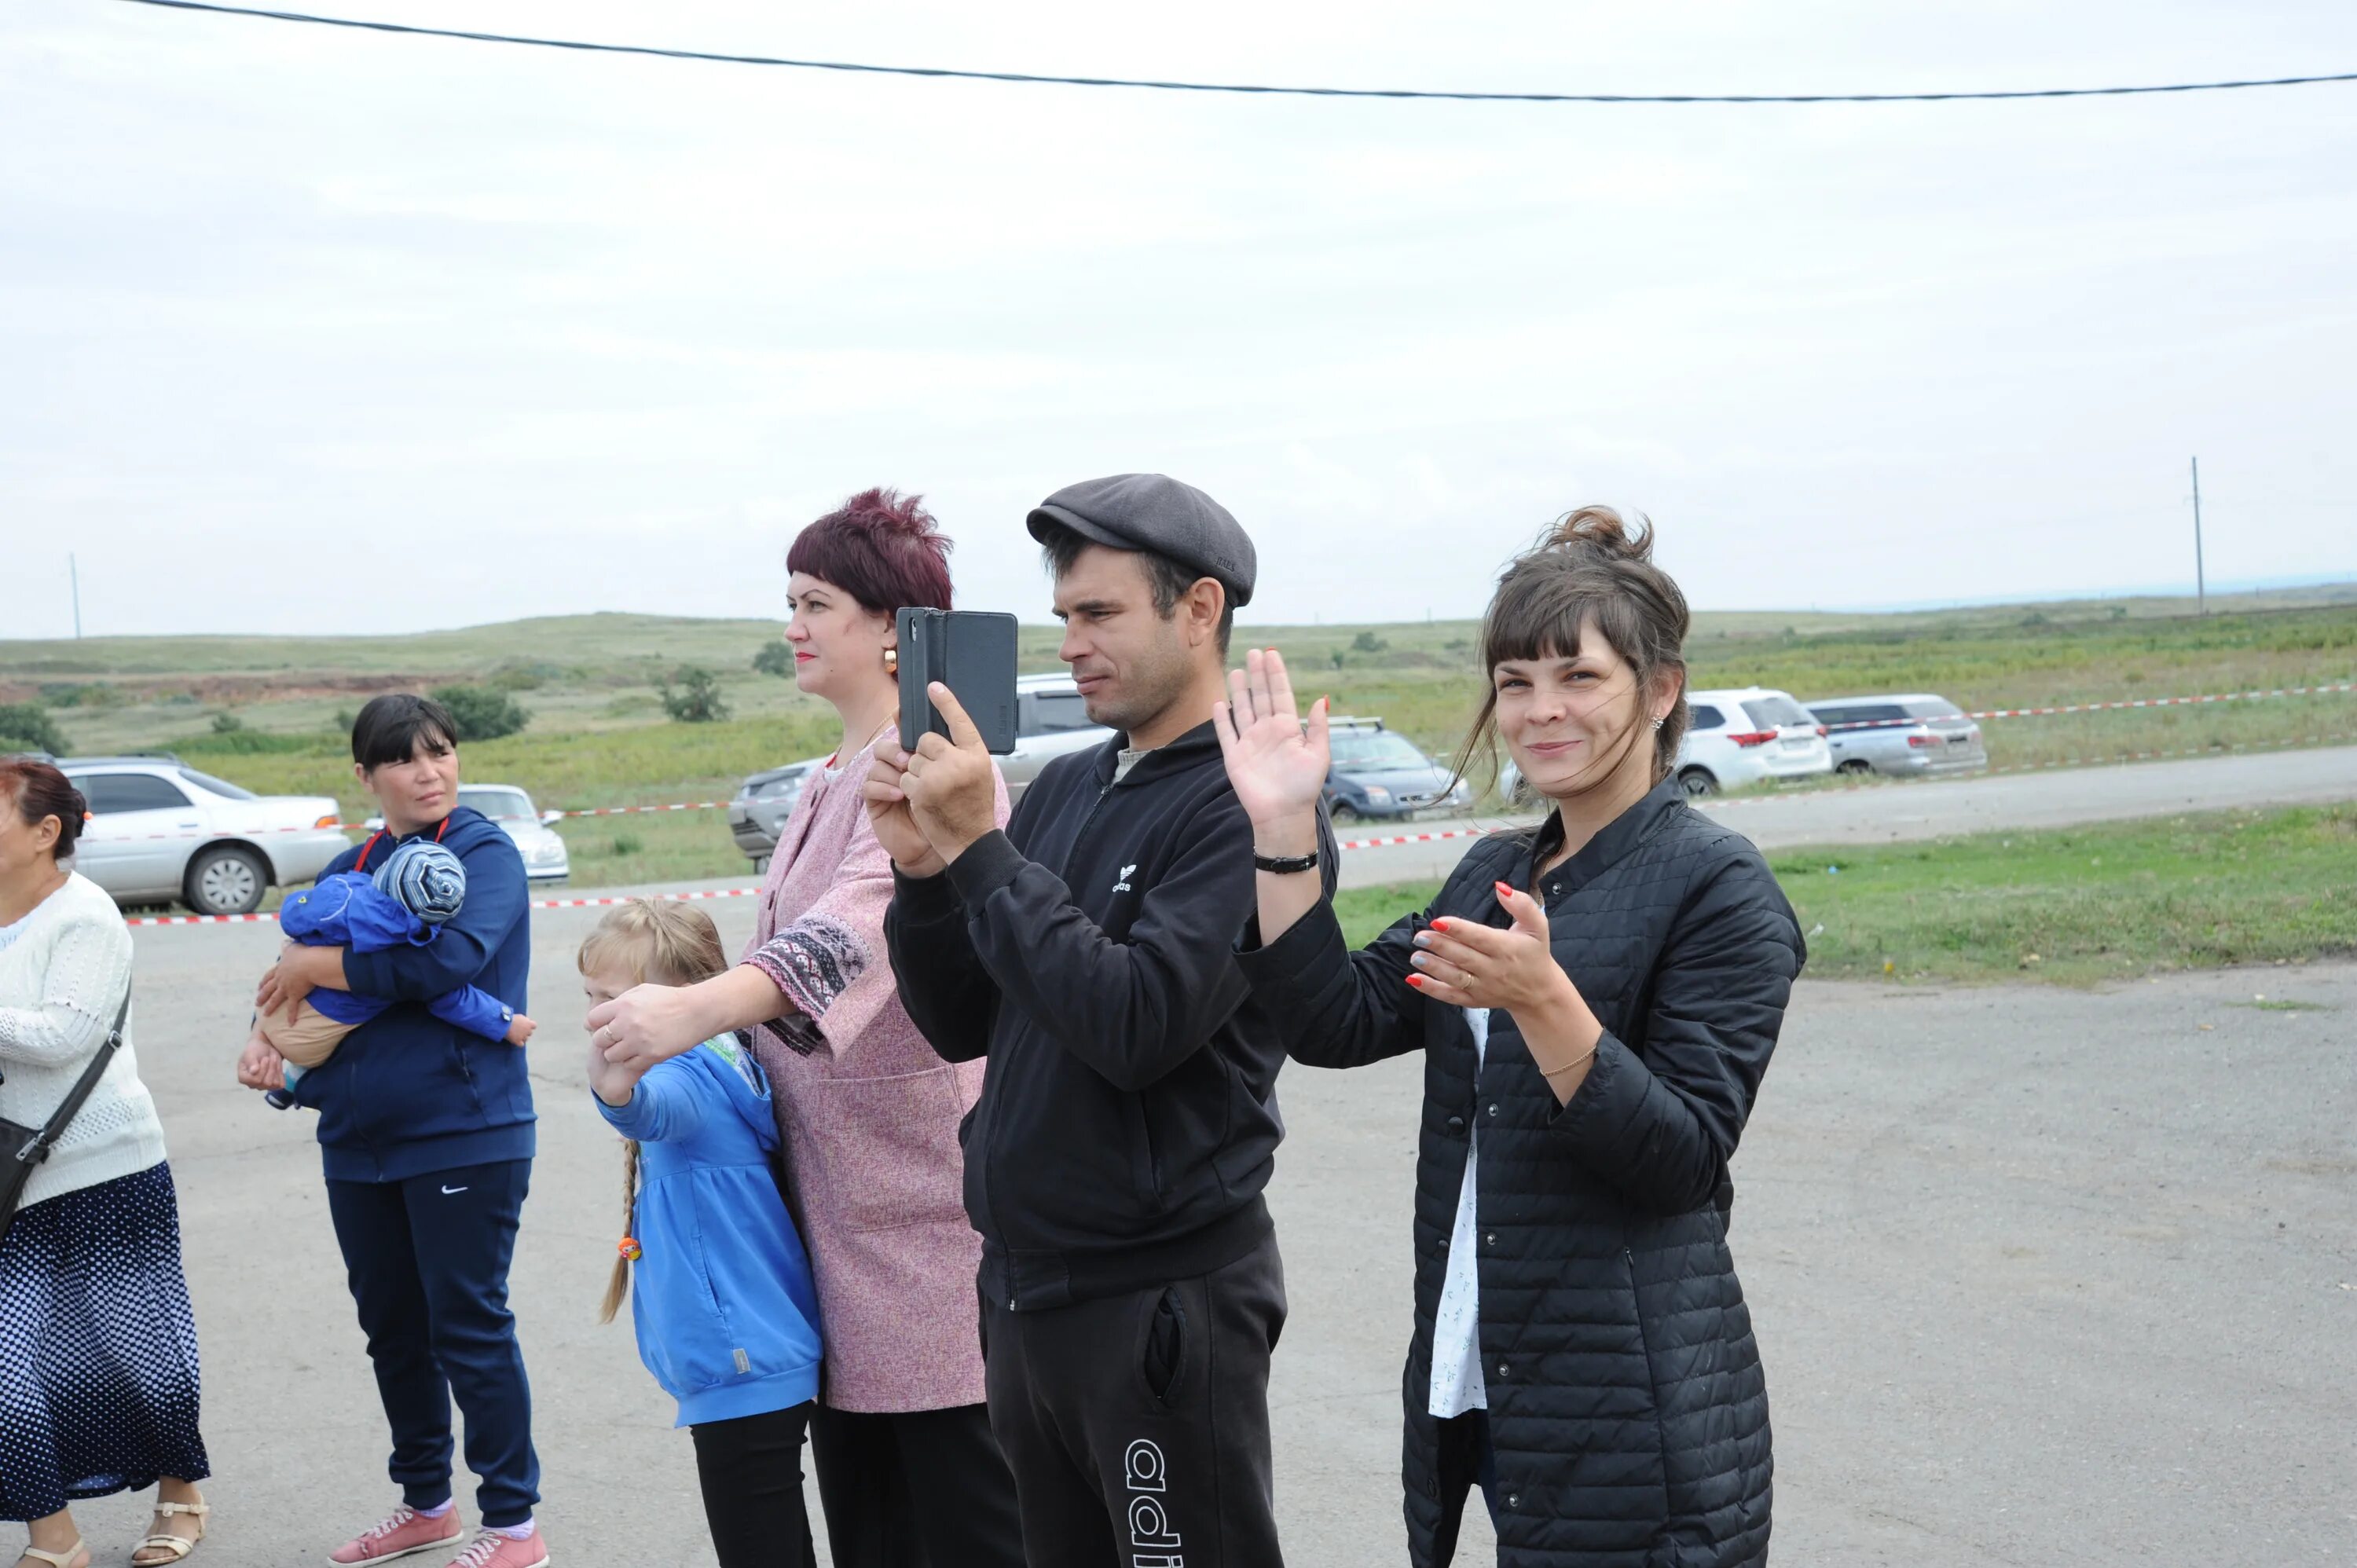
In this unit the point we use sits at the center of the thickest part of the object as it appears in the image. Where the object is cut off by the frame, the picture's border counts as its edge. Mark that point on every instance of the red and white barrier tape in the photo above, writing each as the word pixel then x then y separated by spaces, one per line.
pixel 2165 701
pixel 536 904
pixel 1390 840
pixel 1385 843
pixel 2345 686
pixel 363 827
pixel 601 903
pixel 2103 707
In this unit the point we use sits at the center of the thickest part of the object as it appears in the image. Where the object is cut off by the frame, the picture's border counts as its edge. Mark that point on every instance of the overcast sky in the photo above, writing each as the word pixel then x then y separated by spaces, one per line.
pixel 307 329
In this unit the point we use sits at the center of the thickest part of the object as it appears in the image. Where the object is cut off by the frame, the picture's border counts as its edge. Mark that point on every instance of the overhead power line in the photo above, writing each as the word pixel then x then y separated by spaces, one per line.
pixel 1034 78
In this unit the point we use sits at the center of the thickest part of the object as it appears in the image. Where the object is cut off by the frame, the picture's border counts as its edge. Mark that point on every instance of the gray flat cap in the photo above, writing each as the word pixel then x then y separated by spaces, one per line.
pixel 1154 511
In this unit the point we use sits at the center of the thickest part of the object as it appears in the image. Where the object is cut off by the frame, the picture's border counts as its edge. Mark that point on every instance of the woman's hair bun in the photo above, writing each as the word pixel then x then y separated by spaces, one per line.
pixel 1601 530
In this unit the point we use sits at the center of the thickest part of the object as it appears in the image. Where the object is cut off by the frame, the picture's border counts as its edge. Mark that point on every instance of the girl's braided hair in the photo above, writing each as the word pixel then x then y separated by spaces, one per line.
pixel 667 942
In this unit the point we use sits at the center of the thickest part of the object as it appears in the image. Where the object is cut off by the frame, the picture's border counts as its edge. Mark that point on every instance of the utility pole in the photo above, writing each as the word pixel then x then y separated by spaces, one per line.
pixel 2201 591
pixel 73 570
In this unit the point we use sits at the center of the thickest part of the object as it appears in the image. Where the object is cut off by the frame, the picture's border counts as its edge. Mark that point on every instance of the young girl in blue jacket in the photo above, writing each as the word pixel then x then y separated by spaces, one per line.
pixel 721 1295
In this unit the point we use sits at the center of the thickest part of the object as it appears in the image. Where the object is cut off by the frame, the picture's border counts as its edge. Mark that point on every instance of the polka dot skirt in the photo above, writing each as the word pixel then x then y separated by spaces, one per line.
pixel 98 1347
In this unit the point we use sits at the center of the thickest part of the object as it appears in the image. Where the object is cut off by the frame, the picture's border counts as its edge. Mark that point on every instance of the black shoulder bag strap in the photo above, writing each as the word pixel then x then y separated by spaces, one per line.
pixel 24 1148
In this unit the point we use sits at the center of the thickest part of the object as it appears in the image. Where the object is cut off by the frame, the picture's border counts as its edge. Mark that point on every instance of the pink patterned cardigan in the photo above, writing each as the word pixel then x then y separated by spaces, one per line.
pixel 870 1115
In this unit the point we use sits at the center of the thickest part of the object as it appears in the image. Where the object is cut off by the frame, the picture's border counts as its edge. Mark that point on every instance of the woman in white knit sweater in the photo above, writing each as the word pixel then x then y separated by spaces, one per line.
pixel 98 1348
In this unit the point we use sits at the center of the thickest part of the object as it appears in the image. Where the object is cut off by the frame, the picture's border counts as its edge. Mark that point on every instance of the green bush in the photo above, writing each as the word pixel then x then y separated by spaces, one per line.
pixel 27 726
pixel 697 701
pixel 481 713
pixel 242 742
pixel 81 694
pixel 776 658
pixel 226 724
pixel 528 677
pixel 1368 642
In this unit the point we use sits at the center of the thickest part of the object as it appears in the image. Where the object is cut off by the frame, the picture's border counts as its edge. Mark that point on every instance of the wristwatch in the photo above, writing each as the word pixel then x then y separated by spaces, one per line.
pixel 1285 865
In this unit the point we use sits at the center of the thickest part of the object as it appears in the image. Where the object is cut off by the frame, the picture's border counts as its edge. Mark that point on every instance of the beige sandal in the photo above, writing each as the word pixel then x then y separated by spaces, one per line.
pixel 180 1546
pixel 56 1559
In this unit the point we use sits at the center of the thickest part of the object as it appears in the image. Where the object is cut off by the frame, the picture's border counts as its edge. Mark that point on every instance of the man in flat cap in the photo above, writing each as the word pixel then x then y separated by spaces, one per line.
pixel 1132 1291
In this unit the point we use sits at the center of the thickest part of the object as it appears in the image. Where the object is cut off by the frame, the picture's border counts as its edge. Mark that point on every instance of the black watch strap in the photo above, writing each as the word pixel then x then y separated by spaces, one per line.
pixel 1285 865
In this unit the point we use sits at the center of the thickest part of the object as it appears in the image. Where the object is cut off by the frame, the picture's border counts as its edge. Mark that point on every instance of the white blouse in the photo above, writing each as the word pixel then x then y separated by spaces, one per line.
pixel 63 971
pixel 1457 1385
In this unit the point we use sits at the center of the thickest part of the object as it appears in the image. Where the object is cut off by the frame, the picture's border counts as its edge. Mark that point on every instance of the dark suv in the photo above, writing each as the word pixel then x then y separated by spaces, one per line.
pixel 1379 773
pixel 1049 720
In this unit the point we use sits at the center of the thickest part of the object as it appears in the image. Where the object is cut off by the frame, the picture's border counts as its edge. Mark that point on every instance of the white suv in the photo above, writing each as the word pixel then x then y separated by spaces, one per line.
pixel 1050 721
pixel 1742 735
pixel 161 830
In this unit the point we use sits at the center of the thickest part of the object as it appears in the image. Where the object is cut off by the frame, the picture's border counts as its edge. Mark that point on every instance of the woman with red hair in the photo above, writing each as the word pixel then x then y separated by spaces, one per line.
pixel 908 1471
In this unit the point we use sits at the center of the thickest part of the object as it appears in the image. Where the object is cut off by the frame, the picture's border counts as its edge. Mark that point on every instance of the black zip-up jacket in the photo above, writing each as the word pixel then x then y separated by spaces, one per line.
pixel 1128 1118
pixel 1626 1405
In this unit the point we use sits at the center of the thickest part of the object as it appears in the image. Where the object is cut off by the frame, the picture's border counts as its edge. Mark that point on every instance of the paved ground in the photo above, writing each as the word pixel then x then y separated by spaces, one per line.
pixel 2039 1276
pixel 1891 809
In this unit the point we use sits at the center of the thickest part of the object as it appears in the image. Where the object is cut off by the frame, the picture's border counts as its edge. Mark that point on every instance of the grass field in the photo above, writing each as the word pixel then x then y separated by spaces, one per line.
pixel 598 737
pixel 2073 906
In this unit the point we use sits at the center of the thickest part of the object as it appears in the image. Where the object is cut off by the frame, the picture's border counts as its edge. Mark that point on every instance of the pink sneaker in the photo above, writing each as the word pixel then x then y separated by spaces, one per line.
pixel 489 1549
pixel 406 1532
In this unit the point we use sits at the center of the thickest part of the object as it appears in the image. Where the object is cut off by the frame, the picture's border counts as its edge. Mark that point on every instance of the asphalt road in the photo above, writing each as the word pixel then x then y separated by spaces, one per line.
pixel 2038 1275
pixel 1888 812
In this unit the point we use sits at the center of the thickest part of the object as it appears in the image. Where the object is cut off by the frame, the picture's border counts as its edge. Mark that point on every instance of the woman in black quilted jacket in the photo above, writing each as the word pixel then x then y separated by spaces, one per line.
pixel 1597 1000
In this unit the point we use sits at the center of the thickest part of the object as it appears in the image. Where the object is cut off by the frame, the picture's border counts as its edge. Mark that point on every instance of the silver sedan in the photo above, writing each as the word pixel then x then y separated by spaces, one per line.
pixel 161 830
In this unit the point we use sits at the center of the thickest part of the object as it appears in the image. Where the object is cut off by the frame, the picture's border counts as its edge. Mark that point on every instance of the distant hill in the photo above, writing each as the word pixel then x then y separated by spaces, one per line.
pixel 620 649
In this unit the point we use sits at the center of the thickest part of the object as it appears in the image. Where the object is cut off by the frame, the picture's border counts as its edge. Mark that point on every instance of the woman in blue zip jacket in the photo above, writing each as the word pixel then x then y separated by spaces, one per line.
pixel 427 1135
pixel 722 1296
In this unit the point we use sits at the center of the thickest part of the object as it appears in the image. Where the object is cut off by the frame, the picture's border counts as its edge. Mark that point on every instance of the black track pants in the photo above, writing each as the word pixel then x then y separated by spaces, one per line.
pixel 1137 1426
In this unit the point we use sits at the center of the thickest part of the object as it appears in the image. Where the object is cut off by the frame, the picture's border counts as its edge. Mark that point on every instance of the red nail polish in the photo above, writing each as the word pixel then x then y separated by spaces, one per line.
pixel 1416 981
pixel 1440 925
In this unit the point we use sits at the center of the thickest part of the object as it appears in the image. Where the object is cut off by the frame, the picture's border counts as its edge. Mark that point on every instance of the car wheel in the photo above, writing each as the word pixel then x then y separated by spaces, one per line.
pixel 761 866
pixel 1698 782
pixel 1343 813
pixel 1855 767
pixel 227 880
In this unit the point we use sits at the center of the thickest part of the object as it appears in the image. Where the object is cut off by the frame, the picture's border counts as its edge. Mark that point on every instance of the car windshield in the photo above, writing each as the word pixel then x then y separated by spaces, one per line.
pixel 222 787
pixel 499 805
pixel 1058 712
pixel 1776 712
pixel 1372 748
pixel 1860 713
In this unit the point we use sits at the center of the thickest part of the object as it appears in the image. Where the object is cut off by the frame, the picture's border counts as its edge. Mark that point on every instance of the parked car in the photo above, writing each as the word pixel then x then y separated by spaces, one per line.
pixel 1378 773
pixel 533 831
pixel 1921 733
pixel 160 831
pixel 546 858
pixel 1050 720
pixel 757 813
pixel 1742 735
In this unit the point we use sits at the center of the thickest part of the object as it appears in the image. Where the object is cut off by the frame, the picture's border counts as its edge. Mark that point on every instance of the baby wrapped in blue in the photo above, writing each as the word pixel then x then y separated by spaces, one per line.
pixel 404 901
